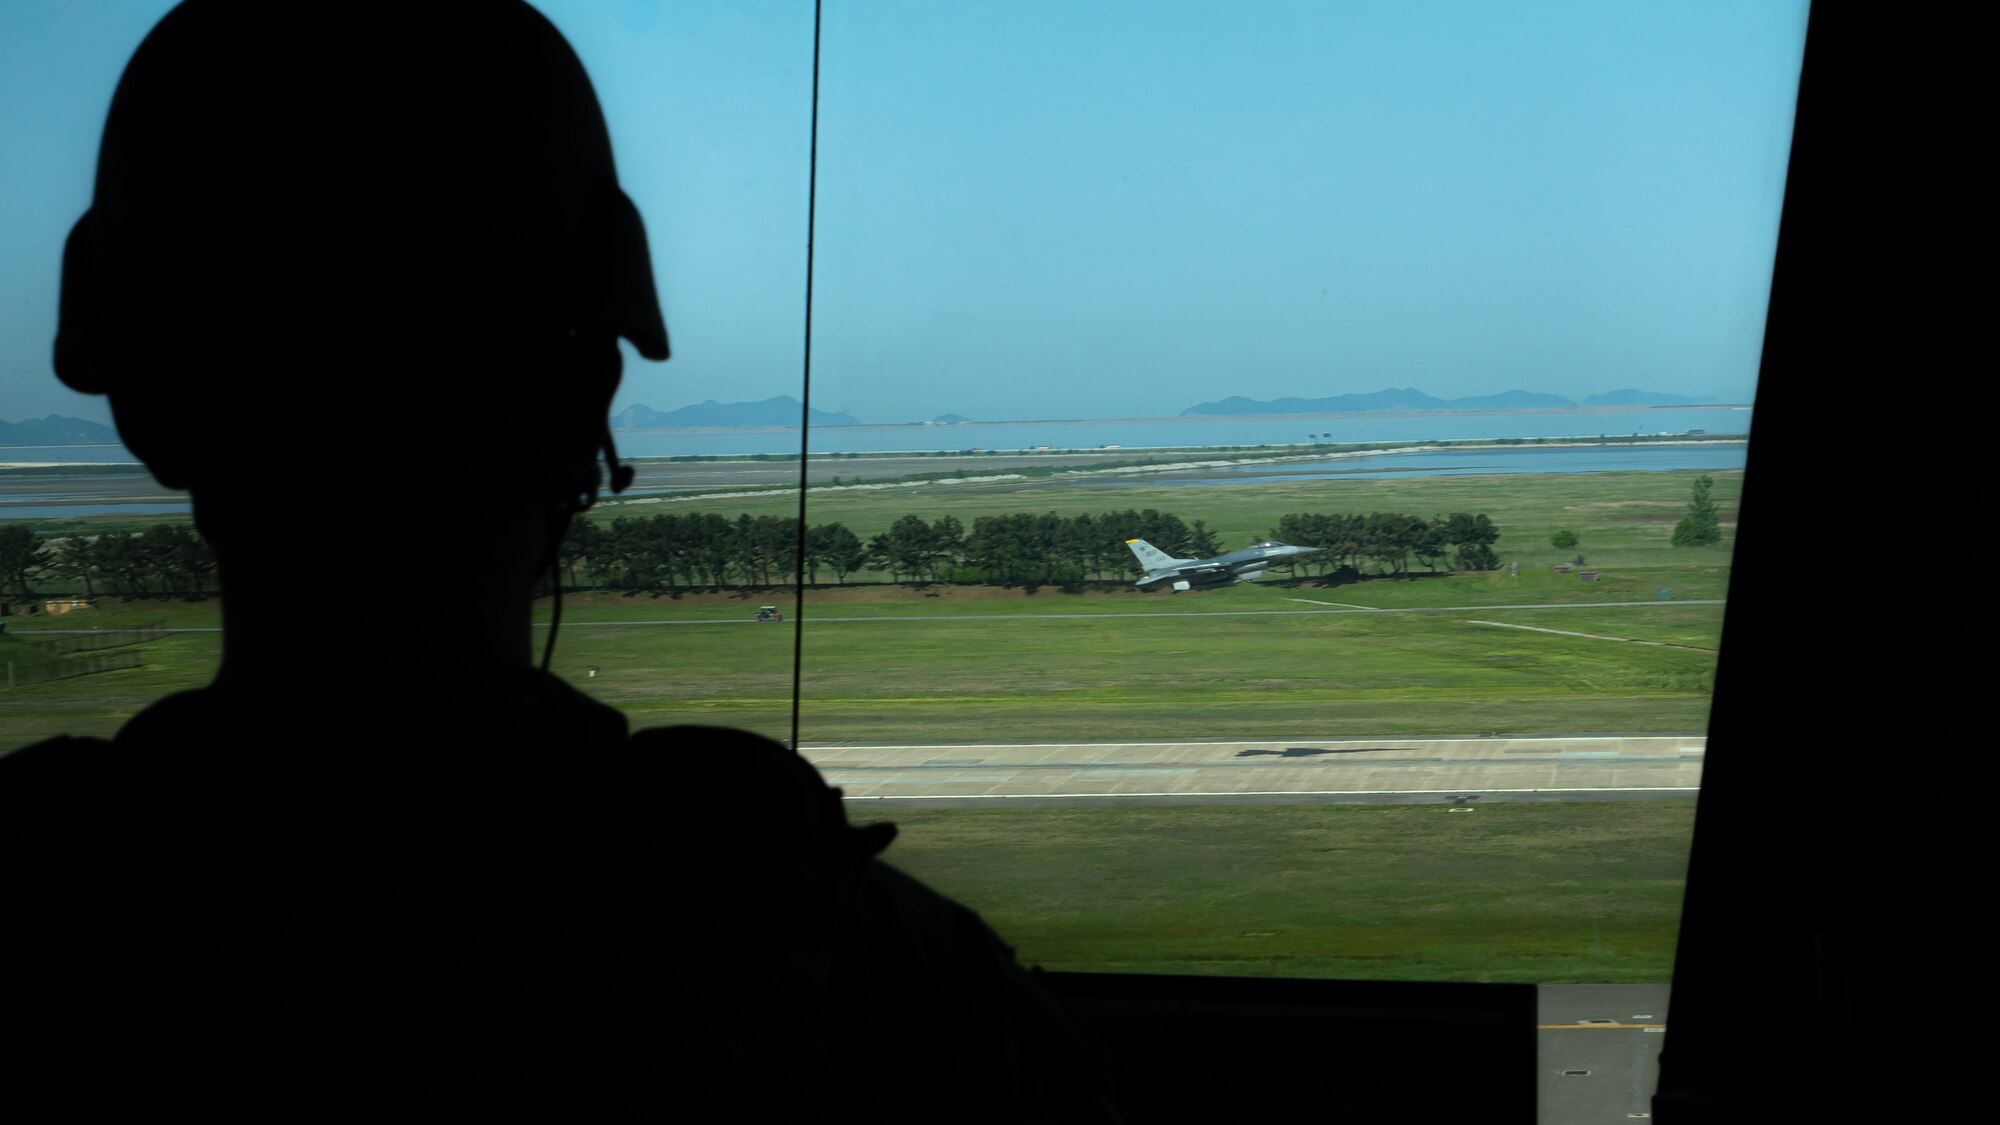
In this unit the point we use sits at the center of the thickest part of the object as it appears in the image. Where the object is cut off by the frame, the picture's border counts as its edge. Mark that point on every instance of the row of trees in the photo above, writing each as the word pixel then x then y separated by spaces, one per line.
pixel 1389 540
pixel 170 559
pixel 708 550
pixel 1050 548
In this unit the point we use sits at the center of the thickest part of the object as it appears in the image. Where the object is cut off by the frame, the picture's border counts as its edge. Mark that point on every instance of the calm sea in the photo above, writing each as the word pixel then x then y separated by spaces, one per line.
pixel 1135 433
pixel 1129 432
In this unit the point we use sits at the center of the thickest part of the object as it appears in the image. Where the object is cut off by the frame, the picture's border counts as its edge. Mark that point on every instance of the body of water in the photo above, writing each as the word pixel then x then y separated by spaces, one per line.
pixel 1233 430
pixel 79 510
pixel 1719 457
pixel 64 454
pixel 1290 429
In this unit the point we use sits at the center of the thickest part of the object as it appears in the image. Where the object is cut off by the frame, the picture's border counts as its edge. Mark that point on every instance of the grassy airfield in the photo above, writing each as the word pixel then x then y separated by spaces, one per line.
pixel 1586 891
pixel 915 669
pixel 1512 892
pixel 967 665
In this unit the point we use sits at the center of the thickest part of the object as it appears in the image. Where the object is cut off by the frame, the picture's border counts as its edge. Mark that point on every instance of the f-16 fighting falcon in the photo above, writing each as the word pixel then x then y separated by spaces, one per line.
pixel 1222 570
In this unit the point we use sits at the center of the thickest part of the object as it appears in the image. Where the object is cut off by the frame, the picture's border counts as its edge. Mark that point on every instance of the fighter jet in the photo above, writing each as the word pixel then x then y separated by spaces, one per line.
pixel 1222 570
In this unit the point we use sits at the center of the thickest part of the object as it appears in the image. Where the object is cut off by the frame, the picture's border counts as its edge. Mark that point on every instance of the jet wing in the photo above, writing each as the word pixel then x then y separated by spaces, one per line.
pixel 1183 572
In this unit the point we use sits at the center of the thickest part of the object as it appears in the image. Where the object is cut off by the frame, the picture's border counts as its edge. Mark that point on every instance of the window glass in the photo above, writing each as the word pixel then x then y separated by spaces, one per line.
pixel 1273 469
pixel 1466 301
pixel 680 605
pixel 1111 299
pixel 102 580
pixel 709 110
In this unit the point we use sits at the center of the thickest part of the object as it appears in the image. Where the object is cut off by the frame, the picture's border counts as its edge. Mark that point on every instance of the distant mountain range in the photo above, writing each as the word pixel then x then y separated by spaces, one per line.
pixel 56 430
pixel 780 411
pixel 1410 398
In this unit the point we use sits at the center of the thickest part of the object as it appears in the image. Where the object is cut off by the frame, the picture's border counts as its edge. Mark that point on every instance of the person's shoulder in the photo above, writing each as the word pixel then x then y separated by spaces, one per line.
pixel 725 756
pixel 56 771
pixel 747 790
pixel 51 752
pixel 84 794
pixel 74 827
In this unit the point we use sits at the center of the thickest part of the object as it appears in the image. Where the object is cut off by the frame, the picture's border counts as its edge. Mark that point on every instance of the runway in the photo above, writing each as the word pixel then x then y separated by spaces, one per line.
pixel 1370 771
pixel 1599 1051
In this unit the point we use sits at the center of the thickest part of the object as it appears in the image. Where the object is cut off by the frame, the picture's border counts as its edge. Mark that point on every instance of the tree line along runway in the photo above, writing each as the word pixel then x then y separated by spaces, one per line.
pixel 1362 771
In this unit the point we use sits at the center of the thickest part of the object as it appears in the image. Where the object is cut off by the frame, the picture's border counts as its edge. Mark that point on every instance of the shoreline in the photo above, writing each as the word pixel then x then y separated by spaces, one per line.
pixel 1131 463
pixel 1164 467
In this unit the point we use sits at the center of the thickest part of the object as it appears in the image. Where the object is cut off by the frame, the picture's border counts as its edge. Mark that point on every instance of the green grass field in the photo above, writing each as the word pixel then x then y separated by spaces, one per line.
pixel 100 704
pixel 1510 892
pixel 975 676
pixel 959 664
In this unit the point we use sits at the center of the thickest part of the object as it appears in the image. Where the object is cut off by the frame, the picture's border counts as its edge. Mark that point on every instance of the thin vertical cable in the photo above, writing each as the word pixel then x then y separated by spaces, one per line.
pixel 805 405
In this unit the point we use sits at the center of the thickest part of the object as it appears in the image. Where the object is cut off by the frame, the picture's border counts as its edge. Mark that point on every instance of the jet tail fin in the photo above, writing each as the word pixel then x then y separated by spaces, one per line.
pixel 1152 558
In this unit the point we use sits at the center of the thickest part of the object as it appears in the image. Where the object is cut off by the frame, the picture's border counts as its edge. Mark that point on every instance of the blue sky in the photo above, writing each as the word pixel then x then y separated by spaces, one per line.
pixel 1034 209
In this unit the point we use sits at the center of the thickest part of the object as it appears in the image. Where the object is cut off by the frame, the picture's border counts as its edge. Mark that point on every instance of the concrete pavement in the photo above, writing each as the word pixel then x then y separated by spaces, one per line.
pixel 1360 771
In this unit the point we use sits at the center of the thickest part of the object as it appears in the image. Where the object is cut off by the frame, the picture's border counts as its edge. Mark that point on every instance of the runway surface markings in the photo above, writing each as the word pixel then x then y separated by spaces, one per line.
pixel 1146 769
pixel 1591 636
pixel 1310 742
pixel 1257 793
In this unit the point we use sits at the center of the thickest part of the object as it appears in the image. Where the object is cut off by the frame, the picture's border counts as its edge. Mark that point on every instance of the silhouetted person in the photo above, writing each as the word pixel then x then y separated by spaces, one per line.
pixel 354 275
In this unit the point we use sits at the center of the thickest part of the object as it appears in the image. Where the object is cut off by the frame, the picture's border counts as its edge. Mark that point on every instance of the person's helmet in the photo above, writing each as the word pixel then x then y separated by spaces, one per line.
pixel 317 178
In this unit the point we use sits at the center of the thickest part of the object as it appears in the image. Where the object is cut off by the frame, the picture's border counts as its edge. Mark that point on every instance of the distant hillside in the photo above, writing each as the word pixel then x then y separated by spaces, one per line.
pixel 1410 398
pixel 780 411
pixel 950 419
pixel 56 430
